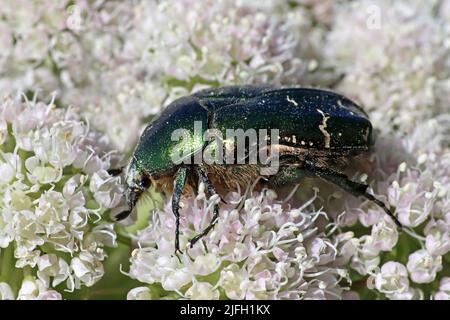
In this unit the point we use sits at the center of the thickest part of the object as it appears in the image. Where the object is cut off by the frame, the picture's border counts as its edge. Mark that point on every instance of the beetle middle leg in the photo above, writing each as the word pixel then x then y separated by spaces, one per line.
pixel 178 188
pixel 202 174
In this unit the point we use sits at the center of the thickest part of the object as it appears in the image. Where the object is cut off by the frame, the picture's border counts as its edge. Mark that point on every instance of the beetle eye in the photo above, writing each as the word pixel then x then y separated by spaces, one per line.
pixel 145 183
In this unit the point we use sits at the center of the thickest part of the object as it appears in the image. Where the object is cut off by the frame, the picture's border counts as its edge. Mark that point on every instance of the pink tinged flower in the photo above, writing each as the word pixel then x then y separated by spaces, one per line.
pixel 412 207
pixel 384 235
pixel 444 290
pixel 392 279
pixel 322 250
pixel 139 293
pixel 202 291
pixel 346 247
pixel 437 240
pixel 371 216
pixel 268 246
pixel 423 266
pixel 367 257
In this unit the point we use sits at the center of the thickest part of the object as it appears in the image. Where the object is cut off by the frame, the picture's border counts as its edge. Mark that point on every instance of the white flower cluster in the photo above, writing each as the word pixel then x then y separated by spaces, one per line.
pixel 106 56
pixel 418 190
pixel 260 248
pixel 394 56
pixel 55 197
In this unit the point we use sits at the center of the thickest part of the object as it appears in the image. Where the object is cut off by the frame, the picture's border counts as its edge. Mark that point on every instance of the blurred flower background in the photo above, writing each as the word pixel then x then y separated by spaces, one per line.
pixel 80 79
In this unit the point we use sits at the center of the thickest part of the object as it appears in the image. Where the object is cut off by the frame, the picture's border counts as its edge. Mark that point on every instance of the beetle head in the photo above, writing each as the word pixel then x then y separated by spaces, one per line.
pixel 137 182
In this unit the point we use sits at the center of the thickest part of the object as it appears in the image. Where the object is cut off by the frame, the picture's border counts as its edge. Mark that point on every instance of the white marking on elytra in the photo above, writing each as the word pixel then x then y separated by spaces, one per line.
pixel 323 127
pixel 295 103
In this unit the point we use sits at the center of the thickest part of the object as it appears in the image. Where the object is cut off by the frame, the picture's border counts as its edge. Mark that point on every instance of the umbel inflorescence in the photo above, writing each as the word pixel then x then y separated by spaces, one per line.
pixel 55 202
pixel 115 64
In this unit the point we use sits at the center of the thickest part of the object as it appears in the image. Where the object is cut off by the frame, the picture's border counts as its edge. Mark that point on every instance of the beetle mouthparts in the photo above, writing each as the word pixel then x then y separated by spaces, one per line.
pixel 122 215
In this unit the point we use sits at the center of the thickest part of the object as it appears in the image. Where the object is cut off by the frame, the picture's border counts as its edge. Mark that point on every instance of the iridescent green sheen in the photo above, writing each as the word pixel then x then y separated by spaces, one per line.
pixel 155 148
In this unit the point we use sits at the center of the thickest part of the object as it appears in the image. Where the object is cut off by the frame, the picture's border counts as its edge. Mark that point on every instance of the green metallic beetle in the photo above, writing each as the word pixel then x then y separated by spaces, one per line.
pixel 318 133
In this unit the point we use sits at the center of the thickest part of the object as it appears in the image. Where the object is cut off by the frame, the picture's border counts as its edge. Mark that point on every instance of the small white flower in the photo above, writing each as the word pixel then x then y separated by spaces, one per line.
pixel 50 266
pixel 437 238
pixel 367 257
pixel 33 289
pixel 6 292
pixel 423 266
pixel 392 280
pixel 384 235
pixel 444 290
pixel 206 264
pixel 234 281
pixel 87 268
pixel 202 291
pixel 139 293
pixel 106 190
pixel 176 279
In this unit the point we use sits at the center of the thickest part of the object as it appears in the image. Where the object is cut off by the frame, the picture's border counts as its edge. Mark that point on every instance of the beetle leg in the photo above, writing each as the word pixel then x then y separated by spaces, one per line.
pixel 201 172
pixel 355 188
pixel 178 188
pixel 116 171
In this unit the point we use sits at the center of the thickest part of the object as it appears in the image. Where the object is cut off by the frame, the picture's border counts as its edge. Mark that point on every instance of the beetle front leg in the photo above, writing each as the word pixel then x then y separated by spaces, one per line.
pixel 178 188
pixel 355 188
pixel 202 174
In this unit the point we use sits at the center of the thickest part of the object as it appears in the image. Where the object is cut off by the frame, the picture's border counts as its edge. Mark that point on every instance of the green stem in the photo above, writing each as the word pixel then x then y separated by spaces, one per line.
pixel 125 240
pixel 7 263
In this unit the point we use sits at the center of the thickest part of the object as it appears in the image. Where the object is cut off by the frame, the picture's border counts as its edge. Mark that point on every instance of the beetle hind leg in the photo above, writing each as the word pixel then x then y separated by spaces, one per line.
pixel 355 188
pixel 204 177
pixel 292 174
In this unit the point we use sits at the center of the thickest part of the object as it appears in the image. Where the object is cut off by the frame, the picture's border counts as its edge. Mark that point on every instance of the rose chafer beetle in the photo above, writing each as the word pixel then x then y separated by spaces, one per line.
pixel 319 132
